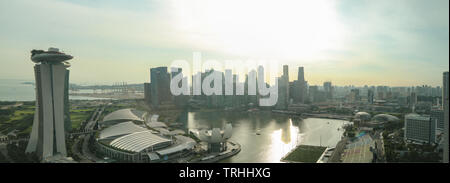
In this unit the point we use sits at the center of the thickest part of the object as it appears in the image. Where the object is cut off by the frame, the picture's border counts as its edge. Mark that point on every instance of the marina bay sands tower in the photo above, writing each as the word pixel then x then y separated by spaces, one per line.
pixel 48 134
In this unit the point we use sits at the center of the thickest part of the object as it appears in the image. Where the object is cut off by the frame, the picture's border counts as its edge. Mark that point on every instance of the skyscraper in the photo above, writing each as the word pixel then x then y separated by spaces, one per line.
pixel 445 104
pixel 286 71
pixel 370 96
pixel 47 136
pixel 147 93
pixel 67 122
pixel 286 82
pixel 328 90
pixel 159 86
pixel 420 128
pixel 299 93
pixel 354 95
pixel 437 115
pixel 179 100
pixel 282 102
pixel 301 74
pixel 283 89
pixel 313 93
pixel 412 100
pixel 175 72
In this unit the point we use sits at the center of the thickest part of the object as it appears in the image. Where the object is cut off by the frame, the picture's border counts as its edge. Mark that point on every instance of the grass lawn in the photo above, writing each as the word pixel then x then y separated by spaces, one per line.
pixel 305 154
pixel 21 119
pixel 20 114
pixel 79 115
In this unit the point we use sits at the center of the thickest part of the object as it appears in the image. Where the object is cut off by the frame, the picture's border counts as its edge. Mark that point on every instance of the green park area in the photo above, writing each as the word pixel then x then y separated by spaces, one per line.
pixel 305 154
pixel 17 118
pixel 20 118
pixel 77 116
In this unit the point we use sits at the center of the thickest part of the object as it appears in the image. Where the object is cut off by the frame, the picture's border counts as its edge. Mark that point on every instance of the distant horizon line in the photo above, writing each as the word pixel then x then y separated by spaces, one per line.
pixel 135 83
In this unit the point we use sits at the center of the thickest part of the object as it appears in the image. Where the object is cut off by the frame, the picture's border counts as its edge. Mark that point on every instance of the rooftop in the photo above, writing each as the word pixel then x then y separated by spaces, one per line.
pixel 187 143
pixel 122 115
pixel 52 55
pixel 384 118
pixel 120 129
pixel 417 117
pixel 138 141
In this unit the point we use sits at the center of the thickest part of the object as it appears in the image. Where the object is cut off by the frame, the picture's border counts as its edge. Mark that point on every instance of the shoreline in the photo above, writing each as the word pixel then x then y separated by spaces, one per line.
pixel 219 156
pixel 109 96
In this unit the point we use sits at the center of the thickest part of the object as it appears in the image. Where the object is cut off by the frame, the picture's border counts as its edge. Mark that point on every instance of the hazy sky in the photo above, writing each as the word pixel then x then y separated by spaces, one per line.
pixel 382 42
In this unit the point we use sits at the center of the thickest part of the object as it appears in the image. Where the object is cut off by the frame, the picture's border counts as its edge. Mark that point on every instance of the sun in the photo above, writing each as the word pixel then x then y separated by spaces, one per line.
pixel 292 29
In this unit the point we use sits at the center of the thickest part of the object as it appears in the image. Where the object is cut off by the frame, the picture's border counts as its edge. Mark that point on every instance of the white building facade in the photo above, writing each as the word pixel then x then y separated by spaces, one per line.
pixel 420 128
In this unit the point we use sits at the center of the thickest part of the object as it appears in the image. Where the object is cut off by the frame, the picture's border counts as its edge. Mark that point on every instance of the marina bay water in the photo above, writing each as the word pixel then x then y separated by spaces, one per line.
pixel 23 90
pixel 15 90
pixel 266 137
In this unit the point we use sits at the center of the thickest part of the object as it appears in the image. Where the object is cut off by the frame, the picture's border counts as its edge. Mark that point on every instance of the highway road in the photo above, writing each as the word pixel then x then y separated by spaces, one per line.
pixel 90 126
pixel 75 151
pixel 86 155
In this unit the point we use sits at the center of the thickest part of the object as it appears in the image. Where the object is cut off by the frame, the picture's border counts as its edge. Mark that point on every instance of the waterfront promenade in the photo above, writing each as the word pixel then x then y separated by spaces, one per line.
pixel 232 149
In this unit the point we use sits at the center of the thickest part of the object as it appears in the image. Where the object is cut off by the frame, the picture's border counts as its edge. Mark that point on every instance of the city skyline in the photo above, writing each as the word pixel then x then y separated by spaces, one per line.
pixel 372 43
pixel 224 81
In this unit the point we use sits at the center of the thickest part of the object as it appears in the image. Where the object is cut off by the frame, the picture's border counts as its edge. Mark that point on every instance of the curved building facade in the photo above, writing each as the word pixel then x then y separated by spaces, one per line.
pixel 51 74
pixel 120 129
pixel 363 116
pixel 122 115
pixel 384 118
pixel 134 147
pixel 129 142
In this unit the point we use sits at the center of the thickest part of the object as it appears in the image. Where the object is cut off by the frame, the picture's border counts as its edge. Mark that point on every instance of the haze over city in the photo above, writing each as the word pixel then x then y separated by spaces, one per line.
pixel 401 43
pixel 288 82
